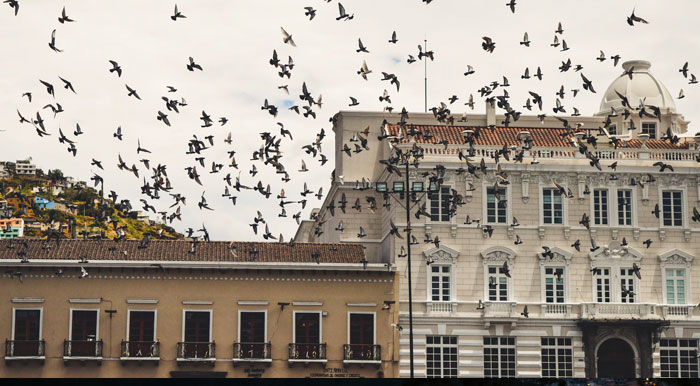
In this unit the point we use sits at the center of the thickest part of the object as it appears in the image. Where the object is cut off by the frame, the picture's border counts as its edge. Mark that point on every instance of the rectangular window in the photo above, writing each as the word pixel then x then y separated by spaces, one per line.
pixel 361 337
pixel 498 284
pixel 252 333
pixel 26 333
pixel 557 357
pixel 496 205
pixel 83 333
pixel 440 286
pixel 627 289
pixel 612 129
pixel 675 286
pixel 624 207
pixel 600 207
pixel 440 204
pixel 672 206
pixel 441 356
pixel 197 334
pixel 679 358
pixel 499 357
pixel 142 334
pixel 649 128
pixel 552 208
pixel 602 280
pixel 554 285
pixel 307 334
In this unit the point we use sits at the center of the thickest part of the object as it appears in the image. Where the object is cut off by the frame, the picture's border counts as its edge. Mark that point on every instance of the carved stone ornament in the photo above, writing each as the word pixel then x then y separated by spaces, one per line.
pixel 676 257
pixel 615 251
pixel 443 254
pixel 498 255
pixel 558 256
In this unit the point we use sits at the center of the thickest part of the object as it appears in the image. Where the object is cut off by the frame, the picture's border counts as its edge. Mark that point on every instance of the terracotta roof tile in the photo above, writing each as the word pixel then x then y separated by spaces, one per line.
pixel 541 136
pixel 178 250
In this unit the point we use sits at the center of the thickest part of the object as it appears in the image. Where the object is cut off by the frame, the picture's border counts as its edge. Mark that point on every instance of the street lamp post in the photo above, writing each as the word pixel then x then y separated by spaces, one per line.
pixel 402 188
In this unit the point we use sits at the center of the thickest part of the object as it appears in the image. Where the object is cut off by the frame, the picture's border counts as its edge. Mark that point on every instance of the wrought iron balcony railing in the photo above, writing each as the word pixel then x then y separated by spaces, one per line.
pixel 307 351
pixel 131 349
pixel 82 348
pixel 362 352
pixel 192 351
pixel 24 349
pixel 251 351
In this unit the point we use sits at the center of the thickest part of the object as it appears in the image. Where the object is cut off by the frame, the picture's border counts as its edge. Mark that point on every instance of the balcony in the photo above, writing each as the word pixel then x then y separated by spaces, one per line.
pixel 82 350
pixel 362 354
pixel 204 352
pixel 677 311
pixel 251 352
pixel 441 307
pixel 498 309
pixel 307 353
pixel 25 350
pixel 561 310
pixel 617 310
pixel 140 351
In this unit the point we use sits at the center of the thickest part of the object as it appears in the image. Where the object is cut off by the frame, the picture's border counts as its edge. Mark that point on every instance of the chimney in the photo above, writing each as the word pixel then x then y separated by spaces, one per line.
pixel 490 113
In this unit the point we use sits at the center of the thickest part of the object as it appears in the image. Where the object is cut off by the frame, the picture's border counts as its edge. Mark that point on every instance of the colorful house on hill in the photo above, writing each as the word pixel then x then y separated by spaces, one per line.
pixel 43 203
pixel 11 228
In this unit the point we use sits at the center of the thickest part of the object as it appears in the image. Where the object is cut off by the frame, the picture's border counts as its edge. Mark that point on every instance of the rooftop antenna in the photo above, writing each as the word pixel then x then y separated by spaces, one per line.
pixel 425 72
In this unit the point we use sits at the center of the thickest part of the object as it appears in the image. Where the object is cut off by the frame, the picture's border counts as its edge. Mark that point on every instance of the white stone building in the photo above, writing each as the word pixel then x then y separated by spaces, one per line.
pixel 588 313
pixel 25 167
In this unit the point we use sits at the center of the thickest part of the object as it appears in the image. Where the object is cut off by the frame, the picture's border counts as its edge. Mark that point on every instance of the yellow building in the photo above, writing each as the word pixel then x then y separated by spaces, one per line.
pixel 89 308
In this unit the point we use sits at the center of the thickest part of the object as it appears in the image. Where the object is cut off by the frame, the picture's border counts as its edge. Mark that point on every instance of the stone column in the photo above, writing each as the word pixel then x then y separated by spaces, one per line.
pixel 645 353
pixel 589 333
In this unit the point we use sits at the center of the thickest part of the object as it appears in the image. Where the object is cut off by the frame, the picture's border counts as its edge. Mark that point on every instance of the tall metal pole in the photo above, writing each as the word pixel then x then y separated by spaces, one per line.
pixel 408 247
pixel 425 73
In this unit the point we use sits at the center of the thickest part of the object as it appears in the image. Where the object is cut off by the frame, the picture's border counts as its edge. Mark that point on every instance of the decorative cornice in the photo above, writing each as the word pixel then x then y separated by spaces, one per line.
pixel 442 254
pixel 498 254
pixel 142 301
pixel 558 256
pixel 615 251
pixel 253 303
pixel 27 300
pixel 85 300
pixel 676 256
pixel 197 302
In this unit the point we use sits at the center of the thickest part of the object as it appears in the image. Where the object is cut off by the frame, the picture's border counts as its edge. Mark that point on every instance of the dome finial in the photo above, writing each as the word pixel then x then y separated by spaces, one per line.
pixel 639 65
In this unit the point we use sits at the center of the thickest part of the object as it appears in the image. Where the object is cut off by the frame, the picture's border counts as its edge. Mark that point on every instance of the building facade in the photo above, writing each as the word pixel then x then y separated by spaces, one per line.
pixel 508 280
pixel 25 167
pixel 11 228
pixel 90 308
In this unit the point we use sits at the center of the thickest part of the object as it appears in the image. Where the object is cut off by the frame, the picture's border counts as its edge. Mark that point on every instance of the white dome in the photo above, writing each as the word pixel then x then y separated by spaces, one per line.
pixel 643 86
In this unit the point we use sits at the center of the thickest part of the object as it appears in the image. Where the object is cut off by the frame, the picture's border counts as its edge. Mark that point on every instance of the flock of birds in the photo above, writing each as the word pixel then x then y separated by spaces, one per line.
pixel 156 183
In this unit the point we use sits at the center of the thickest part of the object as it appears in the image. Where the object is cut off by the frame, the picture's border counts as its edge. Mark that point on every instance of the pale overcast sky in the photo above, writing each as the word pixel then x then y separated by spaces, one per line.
pixel 233 41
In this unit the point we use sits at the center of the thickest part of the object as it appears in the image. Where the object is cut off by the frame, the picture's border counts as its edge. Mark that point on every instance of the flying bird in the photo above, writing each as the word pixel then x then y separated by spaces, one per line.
pixel 64 18
pixel 177 14
pixel 632 18
pixel 52 43
pixel 115 67
pixel 287 38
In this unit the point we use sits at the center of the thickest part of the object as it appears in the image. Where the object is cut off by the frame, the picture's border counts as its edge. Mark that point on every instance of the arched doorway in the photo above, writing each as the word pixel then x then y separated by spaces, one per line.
pixel 615 359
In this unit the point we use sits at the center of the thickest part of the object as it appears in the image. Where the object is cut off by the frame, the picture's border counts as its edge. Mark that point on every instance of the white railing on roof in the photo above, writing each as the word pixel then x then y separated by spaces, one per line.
pixel 567 152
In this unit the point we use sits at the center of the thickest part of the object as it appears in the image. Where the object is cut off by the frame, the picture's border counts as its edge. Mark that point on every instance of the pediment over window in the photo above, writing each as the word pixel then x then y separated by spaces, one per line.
pixel 558 256
pixel 615 251
pixel 676 256
pixel 442 254
pixel 498 255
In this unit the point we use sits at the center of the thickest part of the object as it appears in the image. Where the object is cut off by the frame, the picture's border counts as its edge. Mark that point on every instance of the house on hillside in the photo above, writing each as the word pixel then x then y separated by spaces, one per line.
pixel 11 228
pixel 44 203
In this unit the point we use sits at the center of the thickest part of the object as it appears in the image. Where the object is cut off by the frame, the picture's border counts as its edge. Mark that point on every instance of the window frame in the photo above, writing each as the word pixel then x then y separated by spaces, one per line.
pixel 564 207
pixel 684 205
pixel 41 319
pixel 675 279
pixel 449 220
pixel 97 322
pixel 211 321
pixel 556 347
pixel 607 206
pixel 656 127
pixel 485 211
pixel 677 350
pixel 615 281
pixel 500 346
pixel 677 259
pixel 429 286
pixel 509 284
pixel 374 325
pixel 633 206
pixel 320 324
pixel 238 330
pixel 442 347
pixel 155 322
pixel 565 283
pixel 611 127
